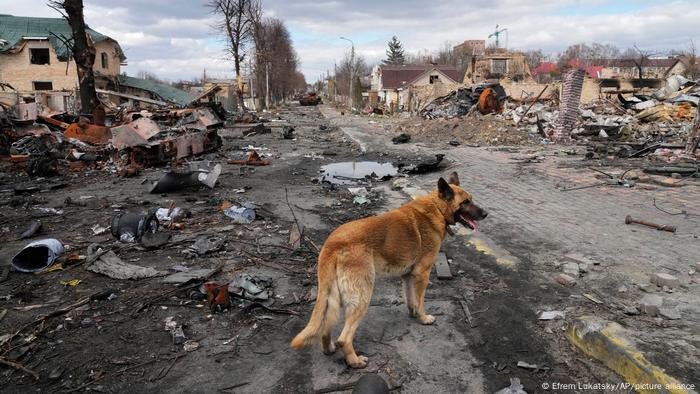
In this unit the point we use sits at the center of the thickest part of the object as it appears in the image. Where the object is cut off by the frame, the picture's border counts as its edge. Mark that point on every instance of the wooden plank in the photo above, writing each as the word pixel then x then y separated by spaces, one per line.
pixel 442 268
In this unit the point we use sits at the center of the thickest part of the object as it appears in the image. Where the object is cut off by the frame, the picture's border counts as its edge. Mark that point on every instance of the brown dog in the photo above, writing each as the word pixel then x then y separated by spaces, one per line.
pixel 404 242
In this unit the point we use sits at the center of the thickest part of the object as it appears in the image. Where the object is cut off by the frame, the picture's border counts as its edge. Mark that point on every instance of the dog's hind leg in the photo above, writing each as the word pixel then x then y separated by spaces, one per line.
pixel 332 314
pixel 356 293
pixel 409 294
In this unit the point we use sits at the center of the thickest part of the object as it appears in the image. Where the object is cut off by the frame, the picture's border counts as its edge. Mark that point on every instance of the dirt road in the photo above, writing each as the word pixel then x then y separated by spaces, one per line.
pixel 120 343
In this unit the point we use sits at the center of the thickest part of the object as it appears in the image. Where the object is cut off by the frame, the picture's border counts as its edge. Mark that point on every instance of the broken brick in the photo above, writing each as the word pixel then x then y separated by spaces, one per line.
pixel 650 304
pixel 566 280
pixel 661 280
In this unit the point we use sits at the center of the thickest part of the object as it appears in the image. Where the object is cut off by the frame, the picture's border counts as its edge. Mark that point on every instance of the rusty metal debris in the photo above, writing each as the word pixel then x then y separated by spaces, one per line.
pixel 131 139
pixel 253 159
pixel 310 99
pixel 661 227
pixel 486 98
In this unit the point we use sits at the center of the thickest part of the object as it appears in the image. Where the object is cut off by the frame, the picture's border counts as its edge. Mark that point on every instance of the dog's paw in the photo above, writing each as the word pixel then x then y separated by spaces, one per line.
pixel 361 362
pixel 412 313
pixel 427 319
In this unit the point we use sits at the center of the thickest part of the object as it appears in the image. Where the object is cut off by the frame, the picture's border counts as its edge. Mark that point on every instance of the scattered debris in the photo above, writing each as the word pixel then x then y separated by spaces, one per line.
pixel 552 315
pixel 131 226
pixel 240 215
pixel 33 229
pixel 111 265
pixel 442 268
pixel 310 99
pixel 660 227
pixel 565 280
pixel 218 296
pixel 515 388
pixel 175 181
pixel 661 280
pixel 37 255
pixel 650 304
pixel 401 138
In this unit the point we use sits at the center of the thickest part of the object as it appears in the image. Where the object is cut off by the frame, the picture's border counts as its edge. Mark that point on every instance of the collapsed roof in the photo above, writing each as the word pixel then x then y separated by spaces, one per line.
pixel 15 30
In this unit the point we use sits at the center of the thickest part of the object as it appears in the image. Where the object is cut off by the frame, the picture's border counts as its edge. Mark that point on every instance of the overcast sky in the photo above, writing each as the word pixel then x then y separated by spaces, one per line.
pixel 174 38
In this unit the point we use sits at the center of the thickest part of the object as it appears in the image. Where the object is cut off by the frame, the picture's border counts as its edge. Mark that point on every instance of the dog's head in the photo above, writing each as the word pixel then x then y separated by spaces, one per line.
pixel 460 206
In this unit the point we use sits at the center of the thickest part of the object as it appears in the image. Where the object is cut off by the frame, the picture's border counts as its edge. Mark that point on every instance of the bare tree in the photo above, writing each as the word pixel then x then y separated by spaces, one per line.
pixel 276 62
pixel 83 50
pixel 236 24
pixel 691 59
pixel 639 57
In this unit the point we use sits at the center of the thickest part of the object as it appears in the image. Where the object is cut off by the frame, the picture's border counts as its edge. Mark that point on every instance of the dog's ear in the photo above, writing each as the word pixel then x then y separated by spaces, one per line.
pixel 453 179
pixel 444 190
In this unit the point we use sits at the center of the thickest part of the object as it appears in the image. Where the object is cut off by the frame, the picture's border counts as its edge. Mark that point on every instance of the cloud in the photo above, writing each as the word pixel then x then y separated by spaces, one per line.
pixel 175 39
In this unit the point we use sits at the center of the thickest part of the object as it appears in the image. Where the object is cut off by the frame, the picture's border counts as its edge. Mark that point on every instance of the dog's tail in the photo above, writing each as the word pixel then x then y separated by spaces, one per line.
pixel 327 308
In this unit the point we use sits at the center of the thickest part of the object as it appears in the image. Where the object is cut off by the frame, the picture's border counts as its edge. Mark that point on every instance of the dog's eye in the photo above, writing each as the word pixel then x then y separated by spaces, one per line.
pixel 466 202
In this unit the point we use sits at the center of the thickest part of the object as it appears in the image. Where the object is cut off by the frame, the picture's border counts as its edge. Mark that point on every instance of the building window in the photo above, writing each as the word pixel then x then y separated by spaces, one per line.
pixel 434 78
pixel 39 55
pixel 105 61
pixel 43 85
pixel 499 66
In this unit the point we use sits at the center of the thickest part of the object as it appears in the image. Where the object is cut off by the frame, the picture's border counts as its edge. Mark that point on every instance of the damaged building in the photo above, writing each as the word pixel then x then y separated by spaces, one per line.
pixel 497 64
pixel 397 87
pixel 36 62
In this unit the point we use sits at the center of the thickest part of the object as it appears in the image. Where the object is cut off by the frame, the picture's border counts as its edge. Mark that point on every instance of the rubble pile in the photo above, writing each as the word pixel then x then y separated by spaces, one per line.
pixel 122 141
pixel 658 124
pixel 487 98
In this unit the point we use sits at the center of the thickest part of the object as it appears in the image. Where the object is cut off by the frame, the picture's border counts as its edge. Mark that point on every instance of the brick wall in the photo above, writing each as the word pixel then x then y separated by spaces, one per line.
pixel 17 70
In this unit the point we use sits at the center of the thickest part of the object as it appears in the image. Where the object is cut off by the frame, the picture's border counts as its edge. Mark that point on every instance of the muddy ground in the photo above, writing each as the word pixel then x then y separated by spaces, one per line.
pixel 120 343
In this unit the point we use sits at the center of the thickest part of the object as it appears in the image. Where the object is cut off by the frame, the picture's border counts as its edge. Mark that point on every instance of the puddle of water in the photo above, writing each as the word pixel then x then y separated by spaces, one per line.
pixel 352 172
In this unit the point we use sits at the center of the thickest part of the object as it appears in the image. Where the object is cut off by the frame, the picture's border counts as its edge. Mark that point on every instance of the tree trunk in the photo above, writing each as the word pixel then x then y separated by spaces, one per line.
pixel 239 82
pixel 84 55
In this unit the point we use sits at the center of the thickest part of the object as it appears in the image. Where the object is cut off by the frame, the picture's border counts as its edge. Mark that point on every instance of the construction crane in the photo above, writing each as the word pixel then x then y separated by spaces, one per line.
pixel 498 33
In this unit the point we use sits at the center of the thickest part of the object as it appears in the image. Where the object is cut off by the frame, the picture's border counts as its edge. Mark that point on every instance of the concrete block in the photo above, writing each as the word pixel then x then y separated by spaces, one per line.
pixel 570 269
pixel 696 267
pixel 650 304
pixel 565 280
pixel 442 268
pixel 661 280
pixel 669 313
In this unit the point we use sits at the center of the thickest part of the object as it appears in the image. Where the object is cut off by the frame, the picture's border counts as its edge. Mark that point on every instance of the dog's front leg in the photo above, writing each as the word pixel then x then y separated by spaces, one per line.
pixel 421 277
pixel 409 294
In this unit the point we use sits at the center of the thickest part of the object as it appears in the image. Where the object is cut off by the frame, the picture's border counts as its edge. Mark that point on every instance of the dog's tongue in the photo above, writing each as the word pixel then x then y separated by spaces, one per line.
pixel 473 224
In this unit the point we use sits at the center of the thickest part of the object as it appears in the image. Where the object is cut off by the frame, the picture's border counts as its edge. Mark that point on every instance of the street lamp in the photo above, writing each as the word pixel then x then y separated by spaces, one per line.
pixel 352 65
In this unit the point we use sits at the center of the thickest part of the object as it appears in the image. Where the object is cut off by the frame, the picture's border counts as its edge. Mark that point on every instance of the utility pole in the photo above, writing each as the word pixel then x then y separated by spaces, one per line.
pixel 267 84
pixel 352 66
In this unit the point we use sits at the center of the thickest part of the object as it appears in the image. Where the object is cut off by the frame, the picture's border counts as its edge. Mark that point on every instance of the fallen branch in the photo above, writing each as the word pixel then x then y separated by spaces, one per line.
pixel 336 388
pixel 19 367
pixel 235 386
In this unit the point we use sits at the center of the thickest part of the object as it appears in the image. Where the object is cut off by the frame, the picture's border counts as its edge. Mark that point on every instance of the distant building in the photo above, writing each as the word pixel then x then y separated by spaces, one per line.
pixel 470 47
pixel 651 68
pixel 497 64
pixel 392 83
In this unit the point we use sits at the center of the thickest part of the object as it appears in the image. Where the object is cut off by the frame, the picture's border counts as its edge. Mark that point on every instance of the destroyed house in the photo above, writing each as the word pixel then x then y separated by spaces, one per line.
pixel 497 64
pixel 651 68
pixel 128 88
pixel 34 55
pixel 392 83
